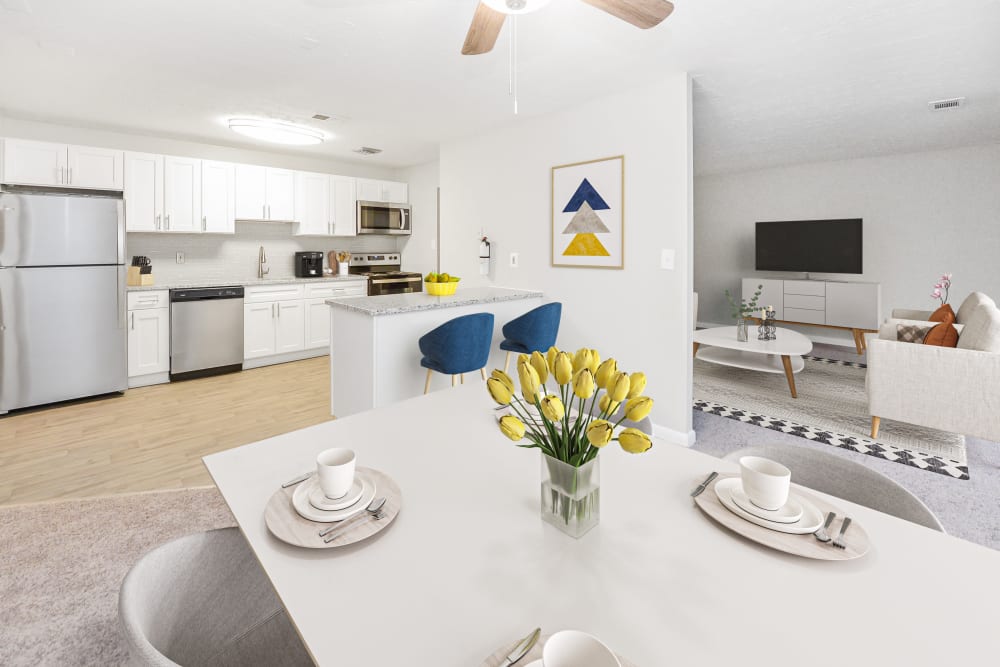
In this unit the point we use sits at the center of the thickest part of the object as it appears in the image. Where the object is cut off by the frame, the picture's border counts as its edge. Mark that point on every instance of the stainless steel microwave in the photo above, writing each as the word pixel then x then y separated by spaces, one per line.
pixel 376 217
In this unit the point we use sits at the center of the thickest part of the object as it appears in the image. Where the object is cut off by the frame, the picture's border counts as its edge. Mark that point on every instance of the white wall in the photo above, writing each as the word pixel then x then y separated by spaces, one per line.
pixel 499 182
pixel 420 248
pixel 924 214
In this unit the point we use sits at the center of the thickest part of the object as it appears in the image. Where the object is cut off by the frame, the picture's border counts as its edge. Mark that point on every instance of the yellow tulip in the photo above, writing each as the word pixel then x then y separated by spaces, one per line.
pixel 512 427
pixel 605 372
pixel 500 392
pixel 608 406
pixel 504 378
pixel 550 358
pixel 618 387
pixel 595 360
pixel 581 359
pixel 638 408
pixel 633 441
pixel 523 358
pixel 583 383
pixel 563 368
pixel 529 381
pixel 599 432
pixel 552 408
pixel 637 384
pixel 541 367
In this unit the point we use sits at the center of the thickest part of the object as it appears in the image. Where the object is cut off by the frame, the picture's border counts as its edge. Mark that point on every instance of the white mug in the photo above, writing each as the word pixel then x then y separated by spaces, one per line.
pixel 572 648
pixel 335 470
pixel 765 482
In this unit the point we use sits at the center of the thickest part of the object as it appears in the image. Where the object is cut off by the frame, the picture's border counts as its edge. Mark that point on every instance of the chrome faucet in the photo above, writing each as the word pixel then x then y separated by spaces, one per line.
pixel 262 268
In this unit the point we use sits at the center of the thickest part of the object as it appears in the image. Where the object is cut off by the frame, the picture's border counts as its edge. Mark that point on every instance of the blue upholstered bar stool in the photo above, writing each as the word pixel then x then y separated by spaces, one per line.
pixel 535 330
pixel 458 346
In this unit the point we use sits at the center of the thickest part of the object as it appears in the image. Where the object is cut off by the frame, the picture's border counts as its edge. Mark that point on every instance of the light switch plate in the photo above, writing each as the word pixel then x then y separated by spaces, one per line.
pixel 667 259
pixel 515 260
pixel 180 258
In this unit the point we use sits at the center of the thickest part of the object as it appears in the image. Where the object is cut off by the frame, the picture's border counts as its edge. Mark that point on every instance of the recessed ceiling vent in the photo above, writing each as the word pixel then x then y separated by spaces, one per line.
pixel 943 105
pixel 367 150
pixel 320 116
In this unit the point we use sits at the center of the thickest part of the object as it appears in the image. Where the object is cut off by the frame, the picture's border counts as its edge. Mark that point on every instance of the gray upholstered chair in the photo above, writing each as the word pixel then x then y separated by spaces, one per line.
pixel 841 477
pixel 203 599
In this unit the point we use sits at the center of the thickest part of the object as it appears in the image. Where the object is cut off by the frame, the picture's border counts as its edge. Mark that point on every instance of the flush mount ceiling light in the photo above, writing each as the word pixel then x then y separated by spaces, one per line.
pixel 275 131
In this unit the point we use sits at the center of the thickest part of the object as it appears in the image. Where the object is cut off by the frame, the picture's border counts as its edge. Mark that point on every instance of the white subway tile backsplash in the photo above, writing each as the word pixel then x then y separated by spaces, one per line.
pixel 219 258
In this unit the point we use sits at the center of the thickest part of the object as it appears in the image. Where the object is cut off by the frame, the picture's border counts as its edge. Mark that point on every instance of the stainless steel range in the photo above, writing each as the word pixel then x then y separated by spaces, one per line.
pixel 384 275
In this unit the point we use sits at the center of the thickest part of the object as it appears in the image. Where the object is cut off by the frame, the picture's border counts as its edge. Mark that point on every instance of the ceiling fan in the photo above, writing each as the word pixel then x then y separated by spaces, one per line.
pixel 490 15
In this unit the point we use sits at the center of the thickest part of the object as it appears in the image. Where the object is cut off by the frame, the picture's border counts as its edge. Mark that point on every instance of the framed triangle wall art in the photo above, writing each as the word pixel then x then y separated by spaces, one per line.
pixel 588 214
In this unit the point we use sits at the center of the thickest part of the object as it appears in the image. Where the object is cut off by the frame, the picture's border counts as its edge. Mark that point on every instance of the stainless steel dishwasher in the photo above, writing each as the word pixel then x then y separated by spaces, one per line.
pixel 206 331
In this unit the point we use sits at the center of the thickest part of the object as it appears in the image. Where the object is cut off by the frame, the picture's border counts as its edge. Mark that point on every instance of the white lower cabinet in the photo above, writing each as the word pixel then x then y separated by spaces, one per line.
pixel 148 337
pixel 289 328
pixel 317 324
pixel 258 330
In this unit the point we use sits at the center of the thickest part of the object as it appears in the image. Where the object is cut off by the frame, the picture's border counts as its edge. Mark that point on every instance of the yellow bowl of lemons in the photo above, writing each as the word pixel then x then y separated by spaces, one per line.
pixel 441 284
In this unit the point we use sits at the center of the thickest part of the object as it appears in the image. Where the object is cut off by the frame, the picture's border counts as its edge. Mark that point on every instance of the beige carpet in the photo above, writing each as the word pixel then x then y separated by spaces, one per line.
pixel 61 564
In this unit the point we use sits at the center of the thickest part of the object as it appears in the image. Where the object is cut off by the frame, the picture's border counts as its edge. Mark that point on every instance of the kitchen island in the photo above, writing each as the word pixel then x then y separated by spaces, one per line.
pixel 374 358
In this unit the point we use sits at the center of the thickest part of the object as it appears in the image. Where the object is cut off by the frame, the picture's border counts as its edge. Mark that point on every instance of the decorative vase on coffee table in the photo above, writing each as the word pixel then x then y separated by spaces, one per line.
pixel 571 496
pixel 741 330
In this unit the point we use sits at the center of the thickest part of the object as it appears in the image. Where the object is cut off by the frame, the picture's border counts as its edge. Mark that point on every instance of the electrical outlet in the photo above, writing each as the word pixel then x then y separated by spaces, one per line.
pixel 180 258
pixel 667 259
pixel 515 260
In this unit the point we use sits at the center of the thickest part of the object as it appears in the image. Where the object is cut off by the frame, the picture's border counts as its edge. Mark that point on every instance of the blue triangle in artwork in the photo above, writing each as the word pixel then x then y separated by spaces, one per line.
pixel 586 193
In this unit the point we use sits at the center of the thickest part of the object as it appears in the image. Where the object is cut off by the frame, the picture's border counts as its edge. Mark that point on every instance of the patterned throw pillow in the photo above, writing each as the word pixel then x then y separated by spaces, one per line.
pixel 912 333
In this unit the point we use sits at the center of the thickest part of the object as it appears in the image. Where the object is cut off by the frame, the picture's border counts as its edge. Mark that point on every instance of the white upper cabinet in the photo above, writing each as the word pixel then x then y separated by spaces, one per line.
pixel 97 168
pixel 312 204
pixel 264 193
pixel 343 191
pixel 218 197
pixel 182 194
pixel 384 191
pixel 143 192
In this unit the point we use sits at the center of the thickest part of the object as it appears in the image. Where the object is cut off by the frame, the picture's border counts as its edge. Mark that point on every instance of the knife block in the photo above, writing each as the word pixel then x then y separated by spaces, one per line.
pixel 135 277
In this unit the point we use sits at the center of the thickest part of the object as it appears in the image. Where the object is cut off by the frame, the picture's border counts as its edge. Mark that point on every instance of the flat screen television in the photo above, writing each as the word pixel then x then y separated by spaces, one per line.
pixel 810 246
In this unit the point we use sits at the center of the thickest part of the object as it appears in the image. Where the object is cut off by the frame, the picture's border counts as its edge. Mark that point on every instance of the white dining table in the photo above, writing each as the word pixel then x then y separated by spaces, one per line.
pixel 468 566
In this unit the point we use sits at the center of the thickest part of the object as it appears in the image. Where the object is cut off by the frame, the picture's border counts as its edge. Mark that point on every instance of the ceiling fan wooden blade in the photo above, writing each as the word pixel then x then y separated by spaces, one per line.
pixel 483 33
pixel 640 13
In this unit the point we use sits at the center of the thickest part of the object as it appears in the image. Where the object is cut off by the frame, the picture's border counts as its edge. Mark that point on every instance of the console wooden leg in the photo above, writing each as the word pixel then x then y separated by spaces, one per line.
pixel 427 383
pixel 695 353
pixel 859 341
pixel 876 422
pixel 787 361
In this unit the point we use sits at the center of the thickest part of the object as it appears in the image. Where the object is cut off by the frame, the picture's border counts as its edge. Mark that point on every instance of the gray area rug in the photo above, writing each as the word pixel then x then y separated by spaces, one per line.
pixel 831 408
pixel 63 562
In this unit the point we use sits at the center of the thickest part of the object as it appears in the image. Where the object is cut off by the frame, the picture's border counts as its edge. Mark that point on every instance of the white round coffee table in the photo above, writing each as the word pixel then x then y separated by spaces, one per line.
pixel 718 345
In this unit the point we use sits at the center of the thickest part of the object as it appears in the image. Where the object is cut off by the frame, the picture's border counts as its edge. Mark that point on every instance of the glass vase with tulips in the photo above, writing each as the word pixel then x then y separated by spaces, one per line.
pixel 582 414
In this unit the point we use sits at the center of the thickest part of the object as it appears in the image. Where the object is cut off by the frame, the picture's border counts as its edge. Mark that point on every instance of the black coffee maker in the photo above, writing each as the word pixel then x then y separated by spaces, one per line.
pixel 308 264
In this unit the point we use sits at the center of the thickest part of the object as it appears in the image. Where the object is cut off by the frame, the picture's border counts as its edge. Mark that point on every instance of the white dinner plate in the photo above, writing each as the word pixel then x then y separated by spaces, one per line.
pixel 789 513
pixel 811 519
pixel 300 501
pixel 320 501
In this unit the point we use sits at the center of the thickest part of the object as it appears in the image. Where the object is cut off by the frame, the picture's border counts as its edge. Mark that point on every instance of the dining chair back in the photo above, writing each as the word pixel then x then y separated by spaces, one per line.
pixel 203 599
pixel 537 330
pixel 838 476
pixel 458 346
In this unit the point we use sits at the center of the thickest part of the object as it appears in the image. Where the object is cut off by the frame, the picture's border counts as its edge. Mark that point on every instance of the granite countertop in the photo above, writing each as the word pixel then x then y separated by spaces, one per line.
pixel 394 304
pixel 189 284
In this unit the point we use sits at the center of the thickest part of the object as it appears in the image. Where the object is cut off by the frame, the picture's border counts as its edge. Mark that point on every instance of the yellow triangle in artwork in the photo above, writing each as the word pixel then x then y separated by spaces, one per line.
pixel 586 245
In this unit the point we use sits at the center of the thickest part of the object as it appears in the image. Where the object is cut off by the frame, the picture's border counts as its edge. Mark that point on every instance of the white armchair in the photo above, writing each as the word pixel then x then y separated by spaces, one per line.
pixel 950 389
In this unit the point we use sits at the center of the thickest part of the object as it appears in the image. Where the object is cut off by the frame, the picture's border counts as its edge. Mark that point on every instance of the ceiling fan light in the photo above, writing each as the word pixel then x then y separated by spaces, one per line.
pixel 276 132
pixel 515 6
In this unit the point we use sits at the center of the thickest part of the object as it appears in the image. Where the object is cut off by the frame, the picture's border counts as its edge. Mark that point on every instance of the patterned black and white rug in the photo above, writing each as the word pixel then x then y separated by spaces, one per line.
pixel 832 408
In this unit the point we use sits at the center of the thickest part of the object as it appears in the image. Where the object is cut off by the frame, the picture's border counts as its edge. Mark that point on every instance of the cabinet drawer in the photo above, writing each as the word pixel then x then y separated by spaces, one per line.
pixel 261 293
pixel 805 287
pixel 803 315
pixel 805 302
pixel 150 299
pixel 338 289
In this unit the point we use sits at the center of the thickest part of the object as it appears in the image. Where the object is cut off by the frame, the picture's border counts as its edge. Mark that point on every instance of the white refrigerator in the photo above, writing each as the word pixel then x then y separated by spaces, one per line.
pixel 62 297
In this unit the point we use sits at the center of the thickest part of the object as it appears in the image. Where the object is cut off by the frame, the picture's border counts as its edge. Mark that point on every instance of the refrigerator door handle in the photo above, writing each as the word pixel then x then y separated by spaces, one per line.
pixel 121 232
pixel 8 378
pixel 120 296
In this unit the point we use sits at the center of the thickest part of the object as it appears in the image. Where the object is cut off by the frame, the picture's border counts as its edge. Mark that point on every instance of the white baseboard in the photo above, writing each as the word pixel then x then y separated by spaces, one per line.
pixel 674 436
pixel 285 358
pixel 147 380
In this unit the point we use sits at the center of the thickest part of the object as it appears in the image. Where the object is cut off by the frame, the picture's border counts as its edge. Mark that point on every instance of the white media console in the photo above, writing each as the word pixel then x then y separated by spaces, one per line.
pixel 855 307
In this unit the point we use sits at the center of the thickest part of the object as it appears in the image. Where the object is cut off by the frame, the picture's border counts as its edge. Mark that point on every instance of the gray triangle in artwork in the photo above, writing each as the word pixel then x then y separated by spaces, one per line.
pixel 586 221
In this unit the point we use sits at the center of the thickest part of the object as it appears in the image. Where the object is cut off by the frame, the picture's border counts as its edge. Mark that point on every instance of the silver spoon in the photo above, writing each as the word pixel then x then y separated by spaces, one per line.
pixel 374 508
pixel 821 533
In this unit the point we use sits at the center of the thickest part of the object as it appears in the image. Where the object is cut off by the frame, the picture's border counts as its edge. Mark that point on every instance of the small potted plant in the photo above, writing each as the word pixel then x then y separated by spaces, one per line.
pixel 742 311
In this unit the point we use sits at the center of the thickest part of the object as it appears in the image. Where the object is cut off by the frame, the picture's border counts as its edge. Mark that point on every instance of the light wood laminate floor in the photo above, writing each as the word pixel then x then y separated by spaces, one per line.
pixel 154 437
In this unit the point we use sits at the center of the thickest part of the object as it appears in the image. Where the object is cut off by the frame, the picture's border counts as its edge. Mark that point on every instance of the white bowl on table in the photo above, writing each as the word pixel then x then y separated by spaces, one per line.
pixel 572 648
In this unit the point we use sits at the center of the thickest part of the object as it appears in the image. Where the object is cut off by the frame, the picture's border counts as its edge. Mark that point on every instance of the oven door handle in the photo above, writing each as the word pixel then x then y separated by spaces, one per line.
pixel 395 280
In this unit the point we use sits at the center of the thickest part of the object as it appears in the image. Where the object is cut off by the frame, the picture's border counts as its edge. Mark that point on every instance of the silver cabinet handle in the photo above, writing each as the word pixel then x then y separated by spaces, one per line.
pixel 263 211
pixel 204 223
pixel 268 211
pixel 279 310
pixel 158 222
pixel 272 310
pixel 70 181
pixel 167 219
pixel 132 325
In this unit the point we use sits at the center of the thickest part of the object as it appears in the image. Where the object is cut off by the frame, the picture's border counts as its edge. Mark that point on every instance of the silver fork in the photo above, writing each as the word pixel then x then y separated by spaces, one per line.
pixel 821 533
pixel 374 509
pixel 839 542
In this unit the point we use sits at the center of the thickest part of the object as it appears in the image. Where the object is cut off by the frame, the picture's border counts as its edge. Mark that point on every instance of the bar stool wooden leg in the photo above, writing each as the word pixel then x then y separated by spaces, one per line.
pixel 427 384
pixel 454 380
pixel 506 362
pixel 463 378
pixel 876 422
pixel 482 371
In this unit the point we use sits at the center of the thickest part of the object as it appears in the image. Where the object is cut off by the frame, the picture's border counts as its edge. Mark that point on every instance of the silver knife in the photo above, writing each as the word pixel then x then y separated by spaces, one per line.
pixel 522 648
pixel 704 485
pixel 300 478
